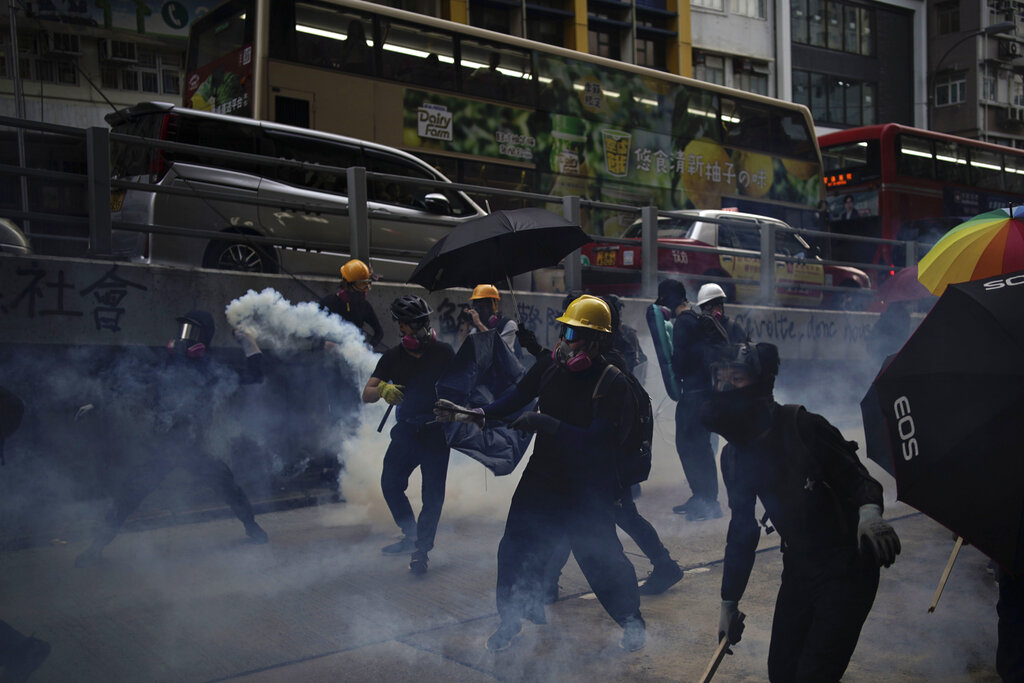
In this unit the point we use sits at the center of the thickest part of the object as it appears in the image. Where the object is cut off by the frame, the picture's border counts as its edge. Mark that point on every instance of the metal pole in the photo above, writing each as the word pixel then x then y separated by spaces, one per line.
pixel 260 88
pixel 573 271
pixel 649 251
pixel 358 214
pixel 19 109
pixel 97 144
pixel 767 263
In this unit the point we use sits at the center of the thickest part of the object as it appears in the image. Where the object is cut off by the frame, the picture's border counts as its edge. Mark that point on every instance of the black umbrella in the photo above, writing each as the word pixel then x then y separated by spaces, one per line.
pixel 503 243
pixel 951 401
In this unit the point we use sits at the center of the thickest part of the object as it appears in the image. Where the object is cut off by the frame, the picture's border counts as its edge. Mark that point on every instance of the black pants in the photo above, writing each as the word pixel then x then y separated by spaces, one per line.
pixel 693 444
pixel 415 446
pixel 540 518
pixel 1010 648
pixel 136 485
pixel 822 604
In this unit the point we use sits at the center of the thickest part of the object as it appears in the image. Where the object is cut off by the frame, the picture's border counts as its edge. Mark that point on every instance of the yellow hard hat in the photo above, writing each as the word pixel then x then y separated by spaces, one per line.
pixel 485 292
pixel 589 312
pixel 355 271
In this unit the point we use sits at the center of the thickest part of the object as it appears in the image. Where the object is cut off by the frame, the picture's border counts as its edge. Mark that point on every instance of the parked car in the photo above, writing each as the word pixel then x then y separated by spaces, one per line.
pixel 405 218
pixel 738 238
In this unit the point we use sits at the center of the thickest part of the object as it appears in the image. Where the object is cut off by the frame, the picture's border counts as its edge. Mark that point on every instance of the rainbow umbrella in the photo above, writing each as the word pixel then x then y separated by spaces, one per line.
pixel 989 244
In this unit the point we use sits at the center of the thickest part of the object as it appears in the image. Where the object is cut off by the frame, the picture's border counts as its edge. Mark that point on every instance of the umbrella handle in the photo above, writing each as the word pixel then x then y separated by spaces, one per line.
pixel 945 574
pixel 716 660
pixel 515 305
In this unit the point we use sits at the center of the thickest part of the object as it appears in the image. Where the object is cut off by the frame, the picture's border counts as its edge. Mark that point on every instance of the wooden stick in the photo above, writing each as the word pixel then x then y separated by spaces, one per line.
pixel 945 574
pixel 709 672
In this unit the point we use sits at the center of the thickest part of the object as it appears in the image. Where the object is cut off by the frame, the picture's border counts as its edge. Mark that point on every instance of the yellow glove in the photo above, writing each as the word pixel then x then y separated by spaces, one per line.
pixel 392 393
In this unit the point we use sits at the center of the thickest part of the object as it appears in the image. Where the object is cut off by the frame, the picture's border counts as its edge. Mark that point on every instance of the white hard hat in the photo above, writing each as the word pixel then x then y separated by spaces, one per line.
pixel 709 292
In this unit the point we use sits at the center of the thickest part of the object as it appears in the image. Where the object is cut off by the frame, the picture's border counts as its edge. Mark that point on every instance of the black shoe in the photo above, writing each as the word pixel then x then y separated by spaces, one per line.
pixel 26 659
pixel 685 507
pixel 418 564
pixel 256 533
pixel 634 635
pixel 665 575
pixel 704 510
pixel 503 637
pixel 535 614
pixel 401 547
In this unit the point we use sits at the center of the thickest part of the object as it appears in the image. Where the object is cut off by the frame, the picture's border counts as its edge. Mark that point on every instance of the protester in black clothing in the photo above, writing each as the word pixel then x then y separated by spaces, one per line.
pixel 483 314
pixel 824 504
pixel 405 377
pixel 350 300
pixel 569 488
pixel 695 336
pixel 175 413
pixel 1010 643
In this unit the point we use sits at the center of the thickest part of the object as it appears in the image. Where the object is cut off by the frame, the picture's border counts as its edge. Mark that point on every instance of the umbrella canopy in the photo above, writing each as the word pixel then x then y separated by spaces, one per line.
pixel 943 416
pixel 501 244
pixel 483 369
pixel 989 244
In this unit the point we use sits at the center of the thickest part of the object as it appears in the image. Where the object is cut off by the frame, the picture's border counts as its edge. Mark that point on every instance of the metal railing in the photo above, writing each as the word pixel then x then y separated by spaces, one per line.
pixel 97 185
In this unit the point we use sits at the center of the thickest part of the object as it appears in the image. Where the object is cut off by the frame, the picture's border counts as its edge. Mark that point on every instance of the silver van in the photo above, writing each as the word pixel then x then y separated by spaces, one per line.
pixel 405 219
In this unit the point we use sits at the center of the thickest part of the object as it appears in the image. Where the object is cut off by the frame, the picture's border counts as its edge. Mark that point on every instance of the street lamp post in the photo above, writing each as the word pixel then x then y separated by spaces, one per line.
pixel 1001 27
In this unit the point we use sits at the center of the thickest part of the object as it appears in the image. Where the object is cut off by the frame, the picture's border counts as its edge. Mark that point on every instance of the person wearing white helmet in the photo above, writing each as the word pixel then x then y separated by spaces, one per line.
pixel 695 336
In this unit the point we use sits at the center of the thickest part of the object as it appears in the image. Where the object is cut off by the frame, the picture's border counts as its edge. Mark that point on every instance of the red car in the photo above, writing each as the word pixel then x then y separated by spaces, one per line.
pixel 738 237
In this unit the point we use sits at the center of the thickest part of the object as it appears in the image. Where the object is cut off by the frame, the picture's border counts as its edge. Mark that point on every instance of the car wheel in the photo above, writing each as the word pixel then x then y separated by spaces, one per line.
pixel 240 256
pixel 852 300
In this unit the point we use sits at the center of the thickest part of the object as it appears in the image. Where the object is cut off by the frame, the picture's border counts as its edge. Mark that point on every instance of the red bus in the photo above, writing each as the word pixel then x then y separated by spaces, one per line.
pixel 895 182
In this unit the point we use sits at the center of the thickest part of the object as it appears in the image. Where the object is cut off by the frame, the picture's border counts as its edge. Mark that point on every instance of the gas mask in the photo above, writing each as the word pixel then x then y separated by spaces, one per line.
pixel 564 355
pixel 485 309
pixel 420 336
pixel 187 345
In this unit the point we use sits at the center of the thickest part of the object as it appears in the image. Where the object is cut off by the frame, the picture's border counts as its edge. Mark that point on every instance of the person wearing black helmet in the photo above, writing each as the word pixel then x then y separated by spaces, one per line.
pixel 824 504
pixel 173 415
pixel 405 377
pixel 695 335
pixel 570 485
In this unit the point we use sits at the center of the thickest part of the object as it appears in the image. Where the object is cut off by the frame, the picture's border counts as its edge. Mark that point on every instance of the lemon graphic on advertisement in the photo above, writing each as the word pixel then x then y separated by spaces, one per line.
pixel 707 173
pixel 754 173
pixel 802 170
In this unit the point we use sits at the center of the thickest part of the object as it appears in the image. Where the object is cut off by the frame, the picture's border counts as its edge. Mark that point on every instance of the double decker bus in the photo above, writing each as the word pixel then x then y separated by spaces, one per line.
pixel 899 183
pixel 503 112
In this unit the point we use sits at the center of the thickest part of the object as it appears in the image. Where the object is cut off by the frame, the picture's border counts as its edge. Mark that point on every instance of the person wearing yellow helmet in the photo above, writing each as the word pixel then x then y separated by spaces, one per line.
pixel 350 300
pixel 483 313
pixel 570 485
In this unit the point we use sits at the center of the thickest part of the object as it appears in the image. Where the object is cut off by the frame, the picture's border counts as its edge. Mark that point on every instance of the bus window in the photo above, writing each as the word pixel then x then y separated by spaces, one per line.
pixel 337 40
pixel 499 73
pixel 230 29
pixel 1014 174
pixel 950 162
pixel 792 137
pixel 915 157
pixel 744 123
pixel 987 169
pixel 417 55
pixel 860 159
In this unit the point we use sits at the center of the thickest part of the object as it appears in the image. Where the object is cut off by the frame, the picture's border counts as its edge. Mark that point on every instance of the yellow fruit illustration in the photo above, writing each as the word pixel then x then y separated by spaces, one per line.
pixel 707 173
pixel 754 174
pixel 802 170
pixel 199 102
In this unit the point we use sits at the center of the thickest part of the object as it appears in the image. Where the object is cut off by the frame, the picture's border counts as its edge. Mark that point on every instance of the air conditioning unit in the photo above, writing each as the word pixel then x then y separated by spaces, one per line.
pixel 117 51
pixel 1009 49
pixel 63 43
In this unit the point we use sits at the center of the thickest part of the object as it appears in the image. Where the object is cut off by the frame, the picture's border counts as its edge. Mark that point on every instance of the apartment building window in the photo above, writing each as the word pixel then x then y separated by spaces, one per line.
pixel 835 100
pixel 604 43
pixel 989 87
pixel 718 5
pixel 709 68
pixel 38 63
pixel 947 15
pixel 1016 90
pixel 833 25
pixel 650 52
pixel 950 89
pixel 151 72
pixel 493 18
pixel 748 8
pixel 750 76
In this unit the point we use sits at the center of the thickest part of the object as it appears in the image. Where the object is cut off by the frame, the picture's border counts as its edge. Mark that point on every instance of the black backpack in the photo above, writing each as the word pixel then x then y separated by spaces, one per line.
pixel 634 462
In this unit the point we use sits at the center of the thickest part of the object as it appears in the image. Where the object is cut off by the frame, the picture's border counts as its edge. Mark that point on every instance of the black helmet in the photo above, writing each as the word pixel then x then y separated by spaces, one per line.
pixel 761 361
pixel 410 308
pixel 203 327
pixel 671 293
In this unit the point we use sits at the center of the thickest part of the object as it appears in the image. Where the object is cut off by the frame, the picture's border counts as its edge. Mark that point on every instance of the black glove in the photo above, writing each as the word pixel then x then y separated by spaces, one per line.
pixel 730 622
pixel 536 422
pixel 877 536
pixel 528 340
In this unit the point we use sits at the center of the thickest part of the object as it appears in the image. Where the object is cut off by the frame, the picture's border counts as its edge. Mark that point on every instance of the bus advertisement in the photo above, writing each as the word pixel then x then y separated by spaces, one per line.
pixel 499 111
pixel 900 183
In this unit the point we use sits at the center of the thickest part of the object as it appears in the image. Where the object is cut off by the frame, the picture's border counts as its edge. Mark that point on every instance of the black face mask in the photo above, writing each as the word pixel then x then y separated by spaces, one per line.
pixel 740 415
